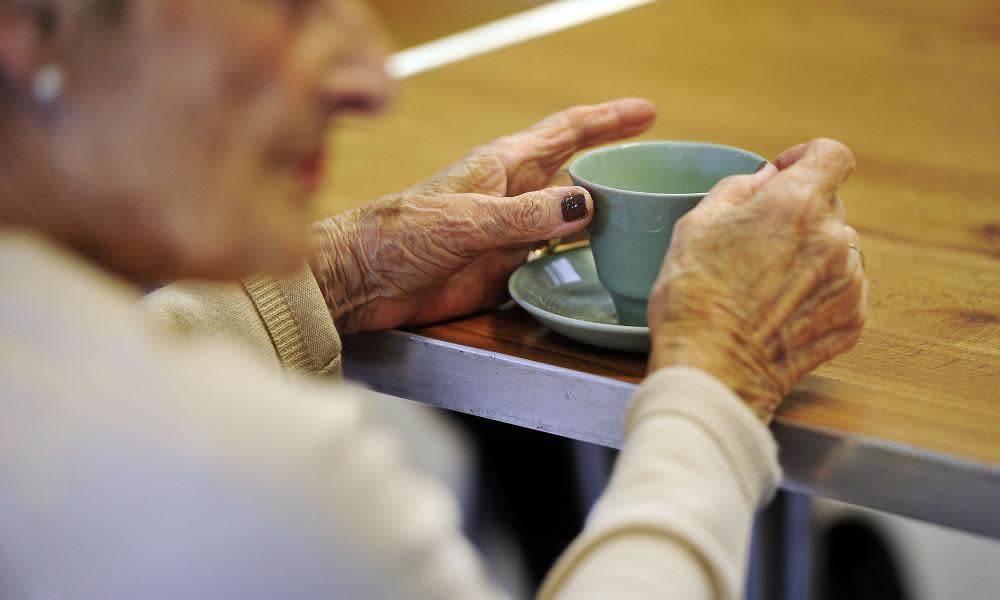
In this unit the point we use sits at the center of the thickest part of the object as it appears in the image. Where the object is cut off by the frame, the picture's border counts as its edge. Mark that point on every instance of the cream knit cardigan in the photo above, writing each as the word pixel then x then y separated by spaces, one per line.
pixel 136 463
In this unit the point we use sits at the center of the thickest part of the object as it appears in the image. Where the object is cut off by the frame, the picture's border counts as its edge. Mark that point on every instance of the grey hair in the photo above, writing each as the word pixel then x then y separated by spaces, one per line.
pixel 101 11
pixel 109 10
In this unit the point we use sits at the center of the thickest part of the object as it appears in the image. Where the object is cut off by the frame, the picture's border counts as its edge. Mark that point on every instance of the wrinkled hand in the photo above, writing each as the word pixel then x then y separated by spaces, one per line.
pixel 446 247
pixel 759 286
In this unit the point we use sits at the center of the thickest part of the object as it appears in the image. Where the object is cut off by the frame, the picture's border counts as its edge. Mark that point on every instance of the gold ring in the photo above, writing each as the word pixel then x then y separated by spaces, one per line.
pixel 861 254
pixel 556 246
pixel 549 248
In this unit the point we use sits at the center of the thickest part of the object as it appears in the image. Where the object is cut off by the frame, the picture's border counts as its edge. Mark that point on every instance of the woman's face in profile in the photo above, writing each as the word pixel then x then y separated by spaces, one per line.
pixel 205 122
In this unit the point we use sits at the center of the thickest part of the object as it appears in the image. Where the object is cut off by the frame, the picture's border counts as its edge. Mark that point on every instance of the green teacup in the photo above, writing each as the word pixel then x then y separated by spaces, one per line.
pixel 640 190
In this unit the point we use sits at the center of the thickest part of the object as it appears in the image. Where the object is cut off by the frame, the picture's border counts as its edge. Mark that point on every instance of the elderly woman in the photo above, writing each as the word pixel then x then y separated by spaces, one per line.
pixel 163 139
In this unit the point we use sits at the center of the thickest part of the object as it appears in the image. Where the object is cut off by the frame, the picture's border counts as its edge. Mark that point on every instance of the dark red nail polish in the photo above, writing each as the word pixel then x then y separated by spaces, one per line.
pixel 574 207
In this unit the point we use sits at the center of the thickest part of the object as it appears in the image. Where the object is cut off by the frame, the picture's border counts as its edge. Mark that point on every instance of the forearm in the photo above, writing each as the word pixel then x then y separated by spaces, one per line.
pixel 676 517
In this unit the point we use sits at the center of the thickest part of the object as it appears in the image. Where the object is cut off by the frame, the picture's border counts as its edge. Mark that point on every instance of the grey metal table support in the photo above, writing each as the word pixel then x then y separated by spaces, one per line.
pixel 868 472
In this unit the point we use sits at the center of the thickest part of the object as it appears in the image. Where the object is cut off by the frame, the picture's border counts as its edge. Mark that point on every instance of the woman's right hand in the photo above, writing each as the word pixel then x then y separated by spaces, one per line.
pixel 759 286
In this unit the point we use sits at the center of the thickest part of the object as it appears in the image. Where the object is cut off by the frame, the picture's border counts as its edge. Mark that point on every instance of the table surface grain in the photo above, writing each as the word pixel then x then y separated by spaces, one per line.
pixel 913 88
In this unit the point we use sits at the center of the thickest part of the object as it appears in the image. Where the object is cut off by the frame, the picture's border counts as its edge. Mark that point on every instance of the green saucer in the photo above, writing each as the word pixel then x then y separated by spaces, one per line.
pixel 561 290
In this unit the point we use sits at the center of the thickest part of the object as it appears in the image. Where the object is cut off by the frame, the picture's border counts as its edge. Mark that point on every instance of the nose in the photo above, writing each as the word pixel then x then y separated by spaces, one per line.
pixel 357 81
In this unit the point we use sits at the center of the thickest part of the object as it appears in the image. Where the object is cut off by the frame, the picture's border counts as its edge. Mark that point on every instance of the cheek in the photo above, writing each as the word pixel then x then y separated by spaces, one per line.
pixel 251 204
pixel 256 52
pixel 261 98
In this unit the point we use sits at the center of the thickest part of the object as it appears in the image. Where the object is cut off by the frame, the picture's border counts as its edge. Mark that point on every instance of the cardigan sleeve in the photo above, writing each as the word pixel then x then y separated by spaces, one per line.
pixel 283 318
pixel 675 520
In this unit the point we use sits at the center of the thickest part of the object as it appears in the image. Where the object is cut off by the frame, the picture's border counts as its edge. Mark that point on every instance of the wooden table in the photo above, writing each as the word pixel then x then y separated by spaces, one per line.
pixel 417 21
pixel 907 422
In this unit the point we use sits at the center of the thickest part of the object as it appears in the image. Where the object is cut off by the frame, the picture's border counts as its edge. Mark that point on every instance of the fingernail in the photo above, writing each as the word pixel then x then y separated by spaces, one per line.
pixel 574 207
pixel 761 166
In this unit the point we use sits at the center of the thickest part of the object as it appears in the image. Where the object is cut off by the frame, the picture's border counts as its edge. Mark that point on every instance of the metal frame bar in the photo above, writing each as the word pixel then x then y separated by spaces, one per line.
pixel 782 550
pixel 886 476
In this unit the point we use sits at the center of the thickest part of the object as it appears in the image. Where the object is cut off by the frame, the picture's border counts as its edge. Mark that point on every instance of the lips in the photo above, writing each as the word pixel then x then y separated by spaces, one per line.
pixel 310 168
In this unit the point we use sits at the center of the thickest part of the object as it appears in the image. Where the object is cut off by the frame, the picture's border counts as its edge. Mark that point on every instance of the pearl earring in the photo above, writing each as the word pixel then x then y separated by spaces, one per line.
pixel 48 84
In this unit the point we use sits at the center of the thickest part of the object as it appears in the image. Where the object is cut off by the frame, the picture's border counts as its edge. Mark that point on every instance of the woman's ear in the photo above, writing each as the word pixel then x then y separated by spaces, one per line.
pixel 23 46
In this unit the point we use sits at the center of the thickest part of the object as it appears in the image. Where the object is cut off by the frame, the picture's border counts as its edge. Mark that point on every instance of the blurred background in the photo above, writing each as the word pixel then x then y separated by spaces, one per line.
pixel 762 76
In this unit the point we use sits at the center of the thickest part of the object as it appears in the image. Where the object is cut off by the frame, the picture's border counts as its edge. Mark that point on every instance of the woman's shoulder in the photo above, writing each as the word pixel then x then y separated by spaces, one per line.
pixel 128 441
pixel 74 335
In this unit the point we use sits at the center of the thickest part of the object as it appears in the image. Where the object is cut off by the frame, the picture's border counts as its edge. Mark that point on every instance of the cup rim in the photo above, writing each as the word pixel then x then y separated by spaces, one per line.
pixel 604 149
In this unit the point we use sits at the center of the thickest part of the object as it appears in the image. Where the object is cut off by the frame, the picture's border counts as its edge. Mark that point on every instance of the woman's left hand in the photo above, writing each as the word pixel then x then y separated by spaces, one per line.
pixel 446 247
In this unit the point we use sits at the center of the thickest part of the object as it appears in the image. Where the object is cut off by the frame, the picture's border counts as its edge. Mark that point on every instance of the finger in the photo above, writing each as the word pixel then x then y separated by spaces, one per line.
pixel 737 189
pixel 561 178
pixel 478 172
pixel 815 169
pixel 790 156
pixel 855 255
pixel 838 208
pixel 549 143
pixel 584 125
pixel 534 216
pixel 528 160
